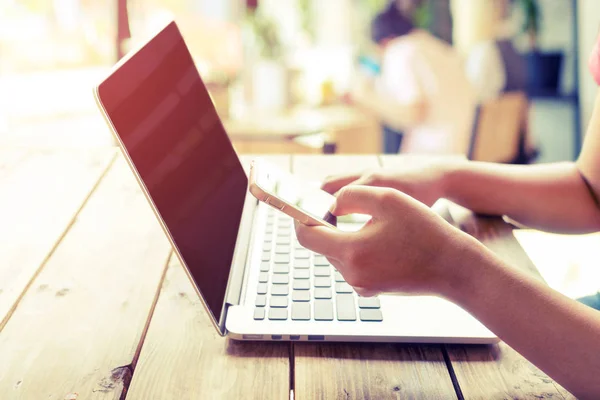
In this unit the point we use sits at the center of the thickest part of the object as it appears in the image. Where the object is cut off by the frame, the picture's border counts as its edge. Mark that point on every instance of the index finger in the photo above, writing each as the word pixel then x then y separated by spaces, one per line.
pixel 332 184
pixel 319 239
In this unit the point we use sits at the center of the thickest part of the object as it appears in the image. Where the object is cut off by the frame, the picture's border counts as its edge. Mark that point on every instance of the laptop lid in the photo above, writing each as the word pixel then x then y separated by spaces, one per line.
pixel 164 118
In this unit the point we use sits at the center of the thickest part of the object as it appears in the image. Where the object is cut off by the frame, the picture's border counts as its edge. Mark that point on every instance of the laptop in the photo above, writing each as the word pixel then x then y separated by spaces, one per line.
pixel 253 277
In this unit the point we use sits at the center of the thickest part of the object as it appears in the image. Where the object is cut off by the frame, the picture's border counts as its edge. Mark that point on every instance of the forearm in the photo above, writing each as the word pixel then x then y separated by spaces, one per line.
pixel 555 333
pixel 552 197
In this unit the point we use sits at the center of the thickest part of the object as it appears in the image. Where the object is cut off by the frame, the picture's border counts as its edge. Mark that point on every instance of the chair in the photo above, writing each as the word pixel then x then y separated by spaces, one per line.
pixel 500 131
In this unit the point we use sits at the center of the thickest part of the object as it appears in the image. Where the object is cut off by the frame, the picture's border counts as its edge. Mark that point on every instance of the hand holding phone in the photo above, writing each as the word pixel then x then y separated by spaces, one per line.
pixel 300 200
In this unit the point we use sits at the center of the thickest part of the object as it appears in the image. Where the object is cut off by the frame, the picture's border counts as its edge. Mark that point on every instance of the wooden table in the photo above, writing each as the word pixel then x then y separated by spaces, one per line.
pixel 347 128
pixel 94 306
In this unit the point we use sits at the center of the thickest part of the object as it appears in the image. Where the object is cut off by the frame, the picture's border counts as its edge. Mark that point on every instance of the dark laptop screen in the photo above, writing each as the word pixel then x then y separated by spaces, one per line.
pixel 164 116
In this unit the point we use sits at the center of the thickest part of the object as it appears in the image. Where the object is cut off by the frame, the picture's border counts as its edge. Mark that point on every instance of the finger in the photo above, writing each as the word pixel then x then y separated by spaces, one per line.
pixel 319 239
pixel 356 199
pixel 365 292
pixel 334 183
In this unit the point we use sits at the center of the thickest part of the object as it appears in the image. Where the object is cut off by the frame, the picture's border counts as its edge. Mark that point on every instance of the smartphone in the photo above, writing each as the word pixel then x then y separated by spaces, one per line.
pixel 299 199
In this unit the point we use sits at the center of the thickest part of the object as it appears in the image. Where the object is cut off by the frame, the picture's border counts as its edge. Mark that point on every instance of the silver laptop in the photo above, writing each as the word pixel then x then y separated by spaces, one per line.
pixel 254 278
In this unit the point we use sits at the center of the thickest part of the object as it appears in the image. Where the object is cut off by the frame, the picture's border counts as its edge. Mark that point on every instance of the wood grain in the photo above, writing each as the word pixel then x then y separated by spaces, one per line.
pixel 184 357
pixel 78 328
pixel 370 371
pixel 273 147
pixel 40 194
pixel 490 372
pixel 362 371
pixel 498 371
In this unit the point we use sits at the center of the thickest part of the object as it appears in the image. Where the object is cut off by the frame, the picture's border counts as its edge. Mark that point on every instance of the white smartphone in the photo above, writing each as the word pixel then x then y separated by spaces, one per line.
pixel 299 199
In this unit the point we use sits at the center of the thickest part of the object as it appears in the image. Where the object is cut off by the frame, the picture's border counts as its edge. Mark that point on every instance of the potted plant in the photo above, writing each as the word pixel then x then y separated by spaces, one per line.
pixel 543 68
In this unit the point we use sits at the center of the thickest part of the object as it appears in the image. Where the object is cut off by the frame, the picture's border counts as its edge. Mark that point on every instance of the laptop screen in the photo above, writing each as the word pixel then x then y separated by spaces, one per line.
pixel 167 123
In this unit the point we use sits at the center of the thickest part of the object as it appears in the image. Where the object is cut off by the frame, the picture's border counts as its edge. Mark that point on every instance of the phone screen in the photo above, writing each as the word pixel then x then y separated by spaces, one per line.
pixel 303 195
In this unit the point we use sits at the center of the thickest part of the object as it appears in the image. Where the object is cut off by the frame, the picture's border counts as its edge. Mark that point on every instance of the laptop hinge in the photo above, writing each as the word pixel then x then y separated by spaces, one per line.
pixel 240 257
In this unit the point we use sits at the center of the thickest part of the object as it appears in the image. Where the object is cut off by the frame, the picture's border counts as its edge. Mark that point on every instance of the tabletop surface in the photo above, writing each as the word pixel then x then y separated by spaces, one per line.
pixel 93 305
pixel 294 123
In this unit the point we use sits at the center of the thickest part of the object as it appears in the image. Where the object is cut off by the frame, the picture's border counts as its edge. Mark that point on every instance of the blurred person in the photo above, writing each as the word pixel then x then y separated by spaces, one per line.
pixel 422 89
pixel 407 248
pixel 493 64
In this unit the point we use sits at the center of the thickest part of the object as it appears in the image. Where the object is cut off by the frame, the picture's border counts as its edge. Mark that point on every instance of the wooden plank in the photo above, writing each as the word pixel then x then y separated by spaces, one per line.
pixel 486 372
pixel 40 195
pixel 271 147
pixel 356 371
pixel 195 361
pixel 498 371
pixel 78 328
pixel 184 357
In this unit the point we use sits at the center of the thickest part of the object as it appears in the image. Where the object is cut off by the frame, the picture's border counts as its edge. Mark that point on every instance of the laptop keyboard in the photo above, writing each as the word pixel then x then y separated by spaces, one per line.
pixel 296 284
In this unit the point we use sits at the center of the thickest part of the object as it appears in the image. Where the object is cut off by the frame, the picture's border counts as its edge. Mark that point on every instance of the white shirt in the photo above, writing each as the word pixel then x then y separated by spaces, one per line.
pixel 419 67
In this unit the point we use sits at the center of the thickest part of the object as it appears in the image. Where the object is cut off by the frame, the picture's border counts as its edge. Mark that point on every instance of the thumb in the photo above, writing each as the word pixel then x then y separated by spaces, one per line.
pixel 356 199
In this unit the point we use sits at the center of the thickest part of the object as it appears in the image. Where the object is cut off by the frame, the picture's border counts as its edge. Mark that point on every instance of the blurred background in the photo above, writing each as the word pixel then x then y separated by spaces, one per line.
pixel 306 76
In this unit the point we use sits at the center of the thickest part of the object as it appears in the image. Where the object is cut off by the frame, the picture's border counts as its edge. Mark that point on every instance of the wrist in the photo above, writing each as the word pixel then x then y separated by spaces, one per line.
pixel 463 269
pixel 451 172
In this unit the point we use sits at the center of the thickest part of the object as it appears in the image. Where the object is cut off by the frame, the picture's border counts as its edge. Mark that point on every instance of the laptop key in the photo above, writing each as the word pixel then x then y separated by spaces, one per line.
pixel 301 273
pixel 281 268
pixel 284 232
pixel 368 302
pixel 262 288
pixel 323 310
pixel 280 290
pixel 266 256
pixel 278 314
pixel 370 315
pixel 281 259
pixel 301 311
pixel 321 260
pixel 302 264
pixel 345 307
pixel 339 277
pixel 263 277
pixel 342 287
pixel 301 295
pixel 322 271
pixel 261 300
pixel 265 266
pixel 278 301
pixel 301 284
pixel 259 313
pixel 322 293
pixel 282 240
pixel 282 249
pixel 267 246
pixel 302 254
pixel 322 282
pixel 280 279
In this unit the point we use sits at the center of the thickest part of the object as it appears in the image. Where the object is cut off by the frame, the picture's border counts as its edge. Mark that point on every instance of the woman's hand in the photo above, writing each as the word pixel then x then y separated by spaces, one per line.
pixel 421 177
pixel 404 248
